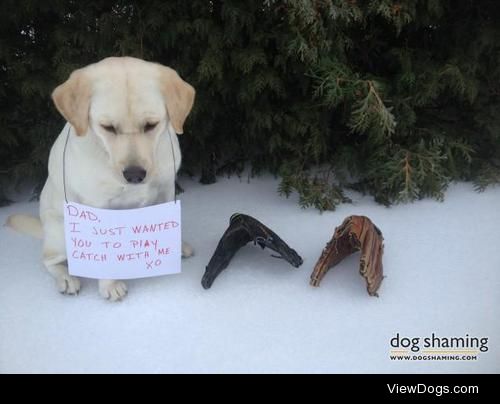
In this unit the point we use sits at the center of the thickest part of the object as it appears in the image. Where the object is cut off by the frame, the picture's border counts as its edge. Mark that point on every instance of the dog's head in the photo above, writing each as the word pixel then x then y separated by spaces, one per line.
pixel 127 104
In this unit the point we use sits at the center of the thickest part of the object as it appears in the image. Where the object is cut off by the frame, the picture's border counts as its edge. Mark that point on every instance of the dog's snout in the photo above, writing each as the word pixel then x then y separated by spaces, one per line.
pixel 134 174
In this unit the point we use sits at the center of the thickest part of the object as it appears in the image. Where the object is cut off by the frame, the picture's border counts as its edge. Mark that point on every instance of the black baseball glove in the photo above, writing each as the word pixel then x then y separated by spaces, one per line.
pixel 243 229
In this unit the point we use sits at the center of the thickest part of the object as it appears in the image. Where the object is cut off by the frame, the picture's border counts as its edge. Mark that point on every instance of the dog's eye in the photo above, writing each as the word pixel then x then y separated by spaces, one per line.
pixel 150 126
pixel 109 128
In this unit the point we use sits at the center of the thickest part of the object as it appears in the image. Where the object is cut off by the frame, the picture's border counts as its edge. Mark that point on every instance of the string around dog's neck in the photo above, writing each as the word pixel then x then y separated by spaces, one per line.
pixel 173 158
pixel 64 164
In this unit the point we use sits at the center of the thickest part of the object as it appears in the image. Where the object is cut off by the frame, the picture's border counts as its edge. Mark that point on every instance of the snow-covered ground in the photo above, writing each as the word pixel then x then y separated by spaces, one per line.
pixel 442 266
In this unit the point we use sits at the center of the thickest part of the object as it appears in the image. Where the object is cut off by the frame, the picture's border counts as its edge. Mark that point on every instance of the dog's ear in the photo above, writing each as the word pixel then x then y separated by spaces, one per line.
pixel 72 100
pixel 179 97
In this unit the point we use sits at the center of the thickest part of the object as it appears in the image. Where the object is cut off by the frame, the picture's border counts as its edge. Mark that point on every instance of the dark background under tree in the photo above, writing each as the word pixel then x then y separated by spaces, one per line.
pixel 394 98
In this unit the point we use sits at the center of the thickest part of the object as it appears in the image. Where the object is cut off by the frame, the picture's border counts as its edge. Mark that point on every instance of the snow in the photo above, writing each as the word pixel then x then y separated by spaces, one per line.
pixel 442 267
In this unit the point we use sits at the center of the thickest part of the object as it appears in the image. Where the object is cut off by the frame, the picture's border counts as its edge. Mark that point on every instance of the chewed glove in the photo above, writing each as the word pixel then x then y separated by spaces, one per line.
pixel 243 229
pixel 354 234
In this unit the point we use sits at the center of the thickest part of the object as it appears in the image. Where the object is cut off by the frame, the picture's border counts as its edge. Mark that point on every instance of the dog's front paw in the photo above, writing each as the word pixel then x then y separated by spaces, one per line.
pixel 187 250
pixel 112 290
pixel 67 284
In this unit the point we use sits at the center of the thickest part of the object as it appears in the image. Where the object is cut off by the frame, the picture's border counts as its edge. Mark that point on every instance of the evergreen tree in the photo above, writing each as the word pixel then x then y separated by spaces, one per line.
pixel 394 98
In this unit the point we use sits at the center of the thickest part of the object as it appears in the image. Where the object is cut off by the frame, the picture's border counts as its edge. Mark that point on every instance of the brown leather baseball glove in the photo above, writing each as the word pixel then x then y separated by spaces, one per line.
pixel 356 233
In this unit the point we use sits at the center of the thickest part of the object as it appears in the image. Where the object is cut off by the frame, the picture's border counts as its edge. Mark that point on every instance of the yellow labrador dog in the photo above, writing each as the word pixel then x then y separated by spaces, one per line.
pixel 122 151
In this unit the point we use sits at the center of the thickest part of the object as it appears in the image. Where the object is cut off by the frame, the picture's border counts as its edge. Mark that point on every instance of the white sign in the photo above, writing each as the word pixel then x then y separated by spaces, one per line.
pixel 123 244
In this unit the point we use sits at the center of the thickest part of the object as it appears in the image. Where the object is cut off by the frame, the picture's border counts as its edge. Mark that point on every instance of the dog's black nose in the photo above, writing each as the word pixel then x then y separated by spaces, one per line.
pixel 134 174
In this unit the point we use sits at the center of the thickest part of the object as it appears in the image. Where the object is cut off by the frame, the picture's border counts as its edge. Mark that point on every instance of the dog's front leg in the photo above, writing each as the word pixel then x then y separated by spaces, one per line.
pixel 66 284
pixel 54 253
pixel 187 250
pixel 112 290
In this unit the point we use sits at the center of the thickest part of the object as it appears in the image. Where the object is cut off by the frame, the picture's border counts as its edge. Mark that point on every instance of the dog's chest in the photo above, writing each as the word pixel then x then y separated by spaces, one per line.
pixel 135 196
